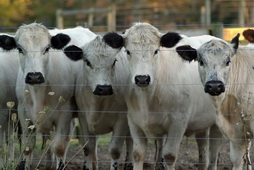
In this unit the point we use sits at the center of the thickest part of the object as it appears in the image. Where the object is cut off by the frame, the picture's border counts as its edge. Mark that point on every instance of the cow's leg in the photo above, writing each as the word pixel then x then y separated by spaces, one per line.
pixel 115 149
pixel 215 141
pixel 89 144
pixel 2 129
pixel 10 141
pixel 60 161
pixel 120 132
pixel 6 140
pixel 129 152
pixel 203 143
pixel 28 138
pixel 29 144
pixel 237 153
pixel 171 146
pixel 158 153
pixel 62 136
pixel 49 154
pixel 90 152
pixel 139 145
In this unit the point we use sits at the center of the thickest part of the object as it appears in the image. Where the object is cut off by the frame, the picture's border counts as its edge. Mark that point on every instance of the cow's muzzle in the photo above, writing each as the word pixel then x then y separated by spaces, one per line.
pixel 34 78
pixel 103 90
pixel 142 80
pixel 214 88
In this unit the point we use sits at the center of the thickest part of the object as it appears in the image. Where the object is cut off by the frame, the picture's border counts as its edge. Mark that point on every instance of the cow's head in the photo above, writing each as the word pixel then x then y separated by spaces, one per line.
pixel 142 43
pixel 33 42
pixel 214 59
pixel 100 57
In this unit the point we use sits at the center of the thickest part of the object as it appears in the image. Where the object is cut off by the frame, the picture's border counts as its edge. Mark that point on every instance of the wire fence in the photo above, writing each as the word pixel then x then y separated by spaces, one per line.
pixel 188 156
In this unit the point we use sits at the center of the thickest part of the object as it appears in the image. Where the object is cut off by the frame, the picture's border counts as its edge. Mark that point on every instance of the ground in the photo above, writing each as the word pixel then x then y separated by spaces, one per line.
pixel 187 159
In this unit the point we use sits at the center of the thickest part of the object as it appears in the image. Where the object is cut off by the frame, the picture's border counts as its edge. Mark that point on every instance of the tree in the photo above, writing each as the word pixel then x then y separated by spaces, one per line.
pixel 13 12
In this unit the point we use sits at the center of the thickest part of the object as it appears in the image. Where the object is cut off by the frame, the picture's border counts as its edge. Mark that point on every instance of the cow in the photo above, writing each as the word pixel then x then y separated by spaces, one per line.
pixel 100 98
pixel 248 34
pixel 9 65
pixel 226 71
pixel 161 101
pixel 45 86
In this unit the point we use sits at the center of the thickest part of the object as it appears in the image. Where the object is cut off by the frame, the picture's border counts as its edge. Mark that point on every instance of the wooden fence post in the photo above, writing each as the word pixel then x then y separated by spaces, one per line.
pixel 59 19
pixel 112 18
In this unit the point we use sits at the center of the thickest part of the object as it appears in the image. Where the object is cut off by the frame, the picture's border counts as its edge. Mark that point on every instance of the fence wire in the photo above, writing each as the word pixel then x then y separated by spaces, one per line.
pixel 187 144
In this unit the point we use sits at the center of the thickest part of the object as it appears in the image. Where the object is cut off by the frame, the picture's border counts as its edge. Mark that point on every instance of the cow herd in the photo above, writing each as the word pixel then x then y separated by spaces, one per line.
pixel 138 85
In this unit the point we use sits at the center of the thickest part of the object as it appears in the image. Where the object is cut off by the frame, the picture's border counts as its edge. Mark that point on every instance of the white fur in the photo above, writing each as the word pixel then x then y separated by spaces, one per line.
pixel 250 45
pixel 173 104
pixel 60 76
pixel 9 65
pixel 234 107
pixel 102 114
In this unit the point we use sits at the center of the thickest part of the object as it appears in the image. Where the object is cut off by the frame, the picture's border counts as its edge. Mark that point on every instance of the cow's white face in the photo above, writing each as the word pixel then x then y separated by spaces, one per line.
pixel 141 58
pixel 33 44
pixel 142 44
pixel 99 66
pixel 214 59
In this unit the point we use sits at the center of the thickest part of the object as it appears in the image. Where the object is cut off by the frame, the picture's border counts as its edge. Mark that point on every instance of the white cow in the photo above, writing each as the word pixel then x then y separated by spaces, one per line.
pixel 226 72
pixel 46 85
pixel 9 64
pixel 161 101
pixel 100 88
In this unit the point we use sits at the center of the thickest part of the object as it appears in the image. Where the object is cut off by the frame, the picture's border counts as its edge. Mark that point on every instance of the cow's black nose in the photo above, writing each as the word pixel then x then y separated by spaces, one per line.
pixel 103 90
pixel 214 88
pixel 34 78
pixel 142 80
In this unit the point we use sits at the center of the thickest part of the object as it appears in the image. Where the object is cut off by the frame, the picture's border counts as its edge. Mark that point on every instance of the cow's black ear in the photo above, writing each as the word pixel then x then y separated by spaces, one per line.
pixel 73 52
pixel 60 40
pixel 114 40
pixel 187 53
pixel 7 42
pixel 170 39
pixel 249 35
pixel 235 42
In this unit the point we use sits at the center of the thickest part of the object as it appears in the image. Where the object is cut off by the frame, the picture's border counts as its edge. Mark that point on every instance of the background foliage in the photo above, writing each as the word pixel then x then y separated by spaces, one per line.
pixel 157 12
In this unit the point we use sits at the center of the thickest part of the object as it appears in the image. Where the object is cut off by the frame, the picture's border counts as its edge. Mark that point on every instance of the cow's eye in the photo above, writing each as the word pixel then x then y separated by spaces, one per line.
pixel 201 62
pixel 156 51
pixel 88 63
pixel 128 52
pixel 46 50
pixel 20 50
pixel 227 62
pixel 114 63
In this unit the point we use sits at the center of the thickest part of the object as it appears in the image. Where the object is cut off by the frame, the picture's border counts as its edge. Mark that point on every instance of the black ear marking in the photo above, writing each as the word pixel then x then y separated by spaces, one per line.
pixel 187 53
pixel 7 42
pixel 170 39
pixel 249 35
pixel 60 40
pixel 235 42
pixel 73 52
pixel 114 40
